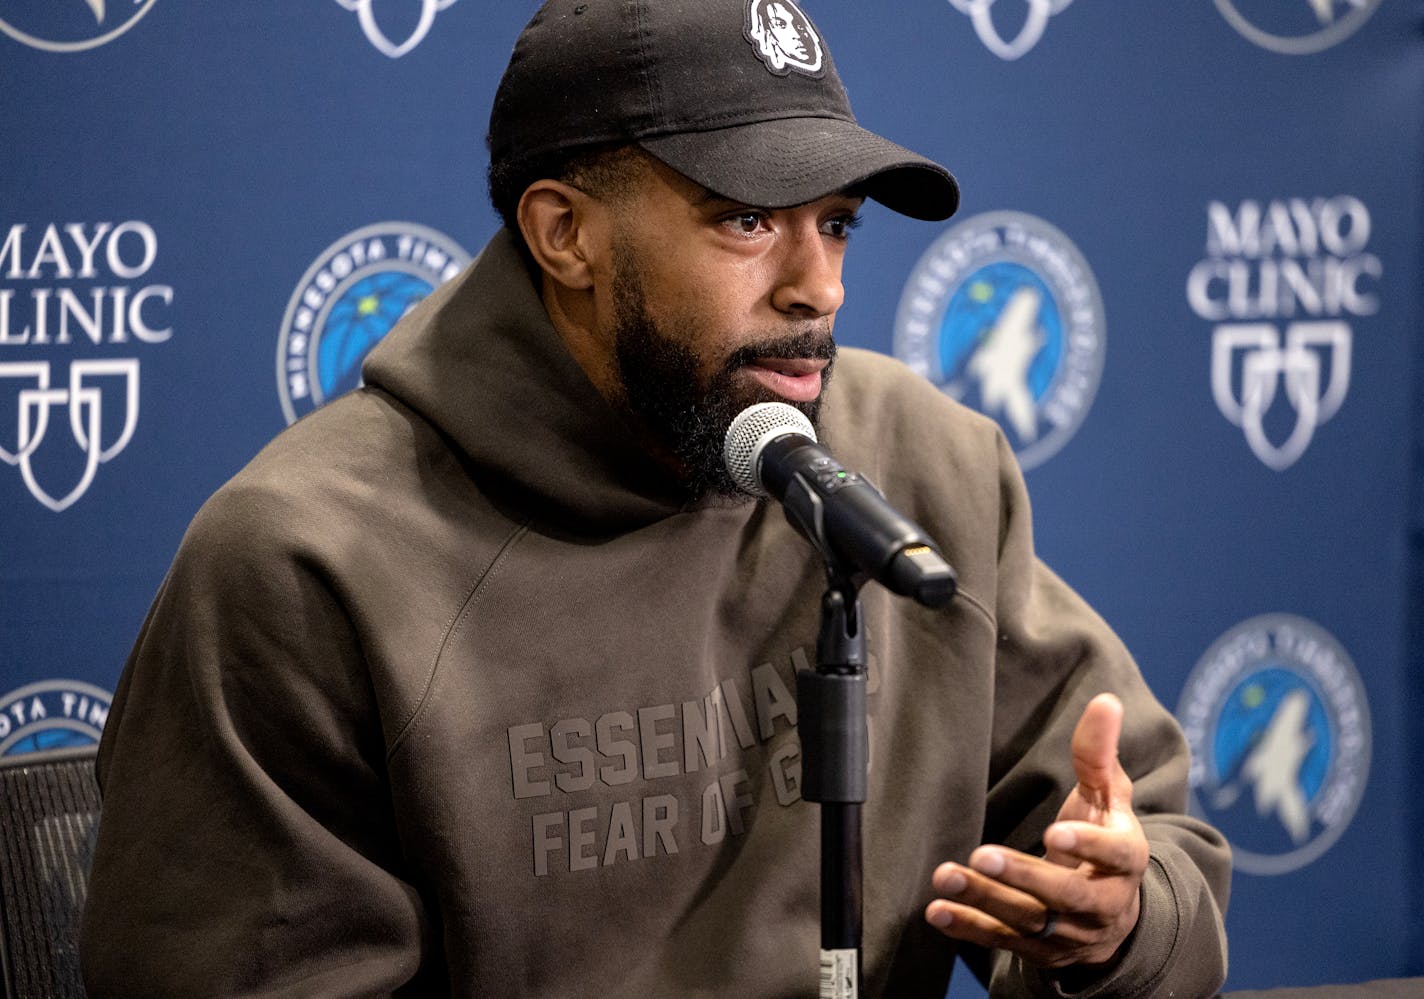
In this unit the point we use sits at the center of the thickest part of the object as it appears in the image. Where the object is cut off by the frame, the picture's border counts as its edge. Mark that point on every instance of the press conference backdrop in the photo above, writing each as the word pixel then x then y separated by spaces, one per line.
pixel 1185 279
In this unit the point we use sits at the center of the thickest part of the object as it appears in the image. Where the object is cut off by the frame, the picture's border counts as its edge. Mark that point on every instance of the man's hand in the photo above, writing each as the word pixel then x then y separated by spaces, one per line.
pixel 1078 904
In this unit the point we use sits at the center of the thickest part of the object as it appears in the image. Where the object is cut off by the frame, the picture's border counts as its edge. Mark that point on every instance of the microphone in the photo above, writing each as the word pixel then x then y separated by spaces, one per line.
pixel 771 450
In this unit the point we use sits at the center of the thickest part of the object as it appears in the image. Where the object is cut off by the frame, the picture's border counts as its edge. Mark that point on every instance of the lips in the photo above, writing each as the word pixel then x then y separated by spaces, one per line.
pixel 797 379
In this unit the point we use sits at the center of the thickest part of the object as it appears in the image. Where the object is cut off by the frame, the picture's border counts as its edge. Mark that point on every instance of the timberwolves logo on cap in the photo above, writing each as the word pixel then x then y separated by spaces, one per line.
pixel 1003 313
pixel 350 298
pixel 52 714
pixel 1279 728
pixel 71 25
pixel 1296 27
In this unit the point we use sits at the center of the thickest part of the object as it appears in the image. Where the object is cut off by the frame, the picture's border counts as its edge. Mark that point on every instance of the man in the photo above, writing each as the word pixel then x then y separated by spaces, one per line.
pixel 477 680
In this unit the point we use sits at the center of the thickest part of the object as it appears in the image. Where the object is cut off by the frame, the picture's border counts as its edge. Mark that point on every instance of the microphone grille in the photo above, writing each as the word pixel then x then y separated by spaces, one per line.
pixel 754 428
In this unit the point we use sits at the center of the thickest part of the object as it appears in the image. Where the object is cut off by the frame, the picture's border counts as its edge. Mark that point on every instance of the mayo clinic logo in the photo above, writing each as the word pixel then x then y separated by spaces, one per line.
pixel 71 298
pixel 1278 724
pixel 1296 27
pixel 1035 15
pixel 348 300
pixel 1280 280
pixel 366 14
pixel 52 714
pixel 70 25
pixel 1003 313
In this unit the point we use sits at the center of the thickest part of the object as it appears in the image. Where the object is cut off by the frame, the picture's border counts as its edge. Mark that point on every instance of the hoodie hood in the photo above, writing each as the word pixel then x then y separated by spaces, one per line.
pixel 480 361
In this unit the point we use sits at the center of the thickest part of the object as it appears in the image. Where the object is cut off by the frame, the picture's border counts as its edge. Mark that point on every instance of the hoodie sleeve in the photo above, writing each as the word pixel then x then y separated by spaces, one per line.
pixel 1054 655
pixel 246 844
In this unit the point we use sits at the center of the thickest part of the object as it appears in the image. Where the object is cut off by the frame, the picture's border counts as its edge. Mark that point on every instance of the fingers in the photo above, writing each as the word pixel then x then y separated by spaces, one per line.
pixel 1101 779
pixel 1117 849
pixel 1051 914
pixel 1017 921
pixel 1078 903
pixel 1056 942
pixel 1015 888
pixel 1052 949
pixel 1095 741
pixel 977 900
pixel 980 911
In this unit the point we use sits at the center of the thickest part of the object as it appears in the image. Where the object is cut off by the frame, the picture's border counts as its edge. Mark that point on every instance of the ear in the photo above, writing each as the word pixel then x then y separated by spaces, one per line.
pixel 561 226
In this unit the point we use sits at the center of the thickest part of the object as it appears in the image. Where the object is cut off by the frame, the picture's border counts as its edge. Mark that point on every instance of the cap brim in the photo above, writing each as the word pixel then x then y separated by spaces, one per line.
pixel 792 161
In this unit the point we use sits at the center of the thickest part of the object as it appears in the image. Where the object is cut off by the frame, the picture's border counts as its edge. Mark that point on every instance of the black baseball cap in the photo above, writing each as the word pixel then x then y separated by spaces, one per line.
pixel 740 96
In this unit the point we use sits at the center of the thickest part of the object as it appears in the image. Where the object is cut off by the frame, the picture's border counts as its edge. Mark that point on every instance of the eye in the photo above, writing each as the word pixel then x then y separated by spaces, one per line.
pixel 840 226
pixel 746 223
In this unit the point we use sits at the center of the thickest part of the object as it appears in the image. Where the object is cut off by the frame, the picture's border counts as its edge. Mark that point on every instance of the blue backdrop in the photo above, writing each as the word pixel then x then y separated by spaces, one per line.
pixel 1185 278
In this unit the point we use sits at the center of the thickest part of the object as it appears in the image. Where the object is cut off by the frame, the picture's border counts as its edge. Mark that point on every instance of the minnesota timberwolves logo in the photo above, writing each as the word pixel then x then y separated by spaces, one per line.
pixel 52 714
pixel 1279 728
pixel 1002 312
pixel 70 25
pixel 1296 27
pixel 348 300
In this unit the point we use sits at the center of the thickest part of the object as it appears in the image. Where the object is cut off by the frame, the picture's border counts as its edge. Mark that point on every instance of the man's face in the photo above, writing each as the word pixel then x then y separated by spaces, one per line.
pixel 783 29
pixel 716 306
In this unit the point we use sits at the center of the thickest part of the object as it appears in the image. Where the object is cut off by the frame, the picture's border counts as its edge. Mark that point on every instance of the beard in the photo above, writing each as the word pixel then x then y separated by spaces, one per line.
pixel 685 413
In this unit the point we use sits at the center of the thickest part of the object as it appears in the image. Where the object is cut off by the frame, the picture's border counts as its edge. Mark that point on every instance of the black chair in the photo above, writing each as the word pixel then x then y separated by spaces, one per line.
pixel 49 814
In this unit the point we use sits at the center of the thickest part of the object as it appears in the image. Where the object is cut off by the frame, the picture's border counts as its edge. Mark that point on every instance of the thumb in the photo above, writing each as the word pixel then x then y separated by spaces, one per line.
pixel 1095 752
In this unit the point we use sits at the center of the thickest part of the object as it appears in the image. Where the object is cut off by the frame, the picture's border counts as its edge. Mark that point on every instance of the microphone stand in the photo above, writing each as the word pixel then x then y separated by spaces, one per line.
pixel 835 748
pixel 823 501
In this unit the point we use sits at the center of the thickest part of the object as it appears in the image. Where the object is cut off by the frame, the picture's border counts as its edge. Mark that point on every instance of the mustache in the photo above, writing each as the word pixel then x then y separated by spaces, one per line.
pixel 814 344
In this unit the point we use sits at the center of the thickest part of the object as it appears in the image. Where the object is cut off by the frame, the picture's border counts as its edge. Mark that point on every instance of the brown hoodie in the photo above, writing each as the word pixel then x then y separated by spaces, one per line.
pixel 450 691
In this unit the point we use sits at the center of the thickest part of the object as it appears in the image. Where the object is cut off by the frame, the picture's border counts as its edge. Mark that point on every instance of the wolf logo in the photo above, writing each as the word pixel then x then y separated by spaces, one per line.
pixel 349 299
pixel 1278 723
pixel 52 714
pixel 1003 313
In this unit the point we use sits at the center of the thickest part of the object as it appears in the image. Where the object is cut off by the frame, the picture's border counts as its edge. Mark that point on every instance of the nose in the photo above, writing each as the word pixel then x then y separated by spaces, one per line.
pixel 809 278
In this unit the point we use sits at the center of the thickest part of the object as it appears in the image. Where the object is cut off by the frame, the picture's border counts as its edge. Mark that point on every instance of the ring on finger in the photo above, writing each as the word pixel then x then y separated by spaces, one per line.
pixel 1050 924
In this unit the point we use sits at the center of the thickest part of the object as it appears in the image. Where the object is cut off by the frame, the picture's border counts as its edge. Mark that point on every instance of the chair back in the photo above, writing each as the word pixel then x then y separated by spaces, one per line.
pixel 49 815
